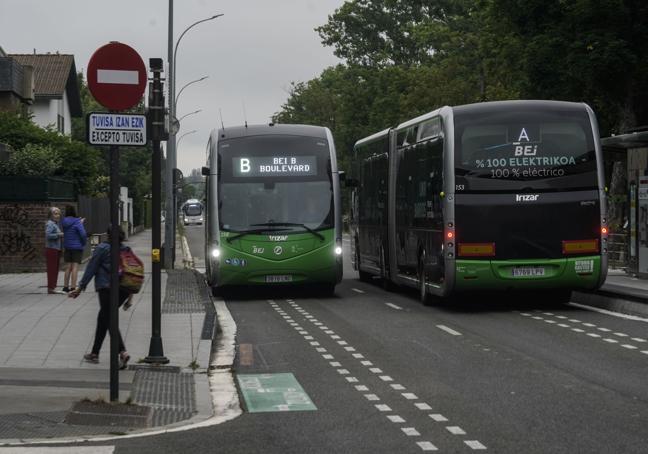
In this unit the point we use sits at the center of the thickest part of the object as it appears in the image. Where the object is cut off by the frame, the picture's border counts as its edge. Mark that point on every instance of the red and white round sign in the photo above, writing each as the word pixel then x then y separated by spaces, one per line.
pixel 116 76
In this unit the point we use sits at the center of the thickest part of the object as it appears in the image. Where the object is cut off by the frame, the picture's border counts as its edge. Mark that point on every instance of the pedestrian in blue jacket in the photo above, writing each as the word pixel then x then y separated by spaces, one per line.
pixel 74 241
pixel 99 268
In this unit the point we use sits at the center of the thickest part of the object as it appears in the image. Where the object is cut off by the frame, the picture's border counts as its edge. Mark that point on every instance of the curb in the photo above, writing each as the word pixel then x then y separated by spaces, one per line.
pixel 612 302
pixel 187 259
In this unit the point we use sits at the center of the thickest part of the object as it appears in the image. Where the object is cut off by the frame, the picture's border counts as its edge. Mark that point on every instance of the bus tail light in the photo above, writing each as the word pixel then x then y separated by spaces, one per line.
pixel 580 246
pixel 476 249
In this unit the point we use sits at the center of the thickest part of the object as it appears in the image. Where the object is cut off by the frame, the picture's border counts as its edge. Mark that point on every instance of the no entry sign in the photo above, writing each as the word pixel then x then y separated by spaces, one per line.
pixel 116 76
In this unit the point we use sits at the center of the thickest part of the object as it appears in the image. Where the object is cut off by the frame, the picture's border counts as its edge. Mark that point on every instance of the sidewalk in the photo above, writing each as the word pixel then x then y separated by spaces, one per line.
pixel 44 337
pixel 619 293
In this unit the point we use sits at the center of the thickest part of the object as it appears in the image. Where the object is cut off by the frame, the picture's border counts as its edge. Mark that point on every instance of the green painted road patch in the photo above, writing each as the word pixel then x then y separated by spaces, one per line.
pixel 273 392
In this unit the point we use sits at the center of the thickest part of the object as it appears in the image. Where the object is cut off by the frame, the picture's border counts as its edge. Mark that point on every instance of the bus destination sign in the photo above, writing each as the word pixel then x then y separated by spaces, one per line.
pixel 116 129
pixel 274 166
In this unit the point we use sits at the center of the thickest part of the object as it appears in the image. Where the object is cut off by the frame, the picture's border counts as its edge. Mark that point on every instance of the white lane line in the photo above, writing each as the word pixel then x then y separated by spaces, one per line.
pixel 335 364
pixel 537 318
pixel 573 320
pixel 308 338
pixel 329 332
pixel 350 349
pixel 645 352
pixel 361 388
pixel 315 344
pixel 620 334
pixel 383 407
pixel 593 335
pixel 455 430
pixel 613 314
pixel 409 396
pixel 375 370
pixel 474 444
pixel 398 387
pixel 611 341
pixel 394 306
pixel 324 328
pixel 411 431
pixel 578 330
pixel 352 379
pixel 357 290
pixel 562 325
pixel 366 363
pixel 427 446
pixel 638 339
pixel 448 330
pixel 395 419
pixel 371 397
pixel 550 321
pixel 438 418
pixel 327 356
pixel 589 325
pixel 320 350
pixel 335 336
pixel 59 450
pixel 423 406
pixel 343 372
pixel 605 330
pixel 358 355
pixel 386 378
pixel 342 343
pixel 561 317
pixel 629 347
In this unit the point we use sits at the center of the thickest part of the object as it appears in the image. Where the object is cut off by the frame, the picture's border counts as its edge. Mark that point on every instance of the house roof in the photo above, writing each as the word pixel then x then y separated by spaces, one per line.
pixel 54 74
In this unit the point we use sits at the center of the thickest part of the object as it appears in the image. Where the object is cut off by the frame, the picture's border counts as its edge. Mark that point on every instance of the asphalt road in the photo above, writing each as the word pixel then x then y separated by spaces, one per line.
pixel 388 375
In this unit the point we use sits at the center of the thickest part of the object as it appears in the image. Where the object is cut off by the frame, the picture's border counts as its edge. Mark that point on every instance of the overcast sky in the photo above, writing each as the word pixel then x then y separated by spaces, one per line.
pixel 251 54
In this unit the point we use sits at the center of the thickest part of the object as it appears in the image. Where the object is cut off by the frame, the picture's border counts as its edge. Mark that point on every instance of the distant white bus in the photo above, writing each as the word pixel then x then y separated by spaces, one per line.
pixel 192 212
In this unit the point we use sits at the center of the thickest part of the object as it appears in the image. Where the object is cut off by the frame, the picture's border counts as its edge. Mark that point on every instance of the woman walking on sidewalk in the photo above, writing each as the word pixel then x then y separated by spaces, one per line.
pixel 53 236
pixel 99 267
pixel 74 242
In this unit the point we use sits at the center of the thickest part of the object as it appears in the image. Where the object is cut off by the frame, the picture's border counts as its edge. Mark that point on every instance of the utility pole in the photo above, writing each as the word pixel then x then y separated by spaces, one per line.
pixel 170 218
pixel 156 128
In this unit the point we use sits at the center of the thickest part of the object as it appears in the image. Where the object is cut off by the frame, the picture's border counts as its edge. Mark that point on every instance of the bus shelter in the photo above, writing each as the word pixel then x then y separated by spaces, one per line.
pixel 626 157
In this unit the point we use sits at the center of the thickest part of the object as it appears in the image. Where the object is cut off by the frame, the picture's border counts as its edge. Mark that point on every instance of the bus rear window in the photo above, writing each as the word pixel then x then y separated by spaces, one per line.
pixel 509 150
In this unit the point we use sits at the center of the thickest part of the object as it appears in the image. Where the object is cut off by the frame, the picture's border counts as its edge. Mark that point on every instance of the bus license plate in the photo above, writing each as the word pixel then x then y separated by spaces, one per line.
pixel 528 271
pixel 279 278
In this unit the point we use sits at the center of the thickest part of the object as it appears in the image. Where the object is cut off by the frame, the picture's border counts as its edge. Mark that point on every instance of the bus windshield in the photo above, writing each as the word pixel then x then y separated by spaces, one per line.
pixel 521 150
pixel 193 209
pixel 265 180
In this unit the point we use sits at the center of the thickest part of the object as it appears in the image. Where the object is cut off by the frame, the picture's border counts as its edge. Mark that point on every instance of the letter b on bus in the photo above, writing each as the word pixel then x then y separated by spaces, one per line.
pixel 245 165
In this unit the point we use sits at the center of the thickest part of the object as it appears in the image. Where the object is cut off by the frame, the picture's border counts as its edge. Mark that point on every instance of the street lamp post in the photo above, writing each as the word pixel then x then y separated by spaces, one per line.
pixel 186 115
pixel 170 225
pixel 175 107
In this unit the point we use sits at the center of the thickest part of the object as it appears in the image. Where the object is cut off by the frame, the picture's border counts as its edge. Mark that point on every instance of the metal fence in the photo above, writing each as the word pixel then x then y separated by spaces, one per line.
pixel 618 251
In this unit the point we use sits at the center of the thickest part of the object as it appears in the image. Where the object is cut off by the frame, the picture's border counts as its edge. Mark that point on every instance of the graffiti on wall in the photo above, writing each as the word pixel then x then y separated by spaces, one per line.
pixel 15 237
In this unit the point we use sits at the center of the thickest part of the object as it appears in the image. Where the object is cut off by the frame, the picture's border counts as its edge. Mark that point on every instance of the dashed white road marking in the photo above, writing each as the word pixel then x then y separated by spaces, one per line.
pixel 423 406
pixel 409 396
pixel 352 379
pixel 448 330
pixel 375 370
pixel 593 335
pixel 645 352
pixel 427 446
pixel 343 371
pixel 350 349
pixel 411 431
pixel 395 419
pixel 386 378
pixel 383 407
pixel 438 418
pixel 357 290
pixel 638 339
pixel 59 450
pixel 613 314
pixel 578 330
pixel 335 364
pixel 371 397
pixel 394 306
pixel 629 347
pixel 366 363
pixel 361 388
pixel 474 444
pixel 620 334
pixel 358 355
pixel 327 356
pixel 398 387
pixel 611 341
pixel 456 430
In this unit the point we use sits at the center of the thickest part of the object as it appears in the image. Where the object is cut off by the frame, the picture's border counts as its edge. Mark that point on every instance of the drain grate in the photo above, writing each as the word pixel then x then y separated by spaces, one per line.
pixel 171 394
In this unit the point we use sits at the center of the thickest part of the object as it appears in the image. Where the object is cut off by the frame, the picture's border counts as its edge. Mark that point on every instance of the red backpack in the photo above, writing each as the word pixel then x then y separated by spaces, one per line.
pixel 131 271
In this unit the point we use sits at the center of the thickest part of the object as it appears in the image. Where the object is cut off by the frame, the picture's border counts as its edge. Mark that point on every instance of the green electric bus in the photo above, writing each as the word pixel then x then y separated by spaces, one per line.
pixel 491 196
pixel 273 214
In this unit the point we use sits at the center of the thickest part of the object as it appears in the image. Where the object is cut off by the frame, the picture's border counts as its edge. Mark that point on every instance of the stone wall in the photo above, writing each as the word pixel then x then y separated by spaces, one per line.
pixel 22 235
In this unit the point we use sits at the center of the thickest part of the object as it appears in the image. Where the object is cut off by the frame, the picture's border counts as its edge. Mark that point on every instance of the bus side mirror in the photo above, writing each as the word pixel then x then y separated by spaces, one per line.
pixel 205 171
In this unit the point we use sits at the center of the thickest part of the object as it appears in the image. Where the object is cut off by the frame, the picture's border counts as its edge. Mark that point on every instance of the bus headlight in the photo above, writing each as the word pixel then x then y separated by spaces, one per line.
pixel 215 252
pixel 338 250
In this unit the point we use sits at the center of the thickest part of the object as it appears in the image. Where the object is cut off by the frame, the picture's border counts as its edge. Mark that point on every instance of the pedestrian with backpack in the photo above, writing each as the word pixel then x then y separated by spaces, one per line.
pixel 131 278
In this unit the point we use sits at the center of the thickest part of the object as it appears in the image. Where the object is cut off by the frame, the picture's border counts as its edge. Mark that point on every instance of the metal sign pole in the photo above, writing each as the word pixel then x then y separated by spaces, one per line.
pixel 114 273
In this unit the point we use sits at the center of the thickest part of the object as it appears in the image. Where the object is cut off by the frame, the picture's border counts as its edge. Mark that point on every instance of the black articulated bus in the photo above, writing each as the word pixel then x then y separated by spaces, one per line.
pixel 492 196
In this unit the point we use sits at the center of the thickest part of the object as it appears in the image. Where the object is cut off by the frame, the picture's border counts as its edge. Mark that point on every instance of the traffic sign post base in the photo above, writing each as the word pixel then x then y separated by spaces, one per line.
pixel 156 352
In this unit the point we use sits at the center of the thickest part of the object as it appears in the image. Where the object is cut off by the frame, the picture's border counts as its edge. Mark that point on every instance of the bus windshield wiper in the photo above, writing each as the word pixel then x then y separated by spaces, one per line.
pixel 293 224
pixel 252 232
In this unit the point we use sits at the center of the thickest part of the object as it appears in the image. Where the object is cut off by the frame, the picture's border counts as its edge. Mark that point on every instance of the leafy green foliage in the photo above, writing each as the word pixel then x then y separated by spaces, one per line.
pixel 69 158
pixel 32 160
